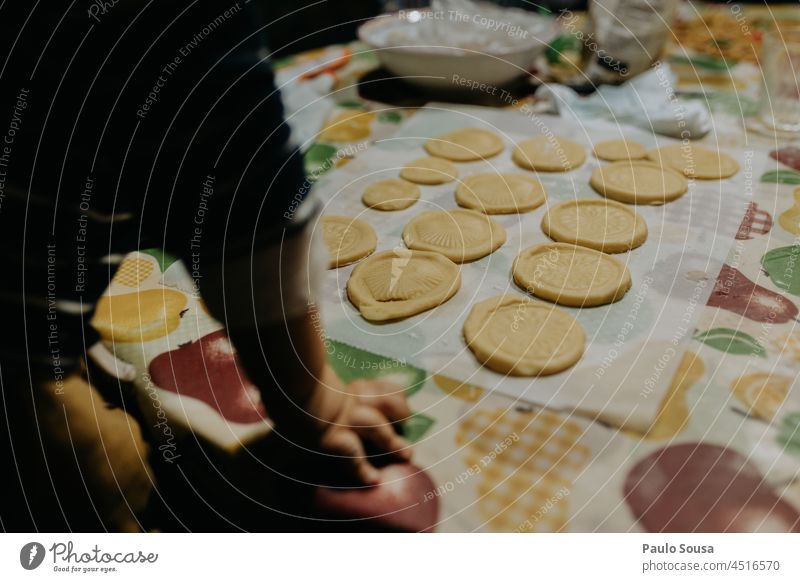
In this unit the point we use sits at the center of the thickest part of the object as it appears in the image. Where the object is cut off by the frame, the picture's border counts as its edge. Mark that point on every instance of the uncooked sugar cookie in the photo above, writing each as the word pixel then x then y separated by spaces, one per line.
pixel 392 194
pixel 549 154
pixel 348 239
pixel 571 275
pixel 639 183
pixel 695 161
pixel 430 171
pixel 493 193
pixel 465 145
pixel 460 235
pixel 400 283
pixel 616 150
pixel 603 225
pixel 523 337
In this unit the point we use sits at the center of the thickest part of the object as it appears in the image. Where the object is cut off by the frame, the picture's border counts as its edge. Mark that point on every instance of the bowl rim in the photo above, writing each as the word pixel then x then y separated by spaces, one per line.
pixel 390 18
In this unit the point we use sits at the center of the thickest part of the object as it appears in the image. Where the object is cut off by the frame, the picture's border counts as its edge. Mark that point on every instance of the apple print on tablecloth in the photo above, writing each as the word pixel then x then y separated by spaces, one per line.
pixel 209 370
pixel 732 341
pixel 755 221
pixel 734 292
pixel 790 218
pixel 524 465
pixel 761 394
pixel 783 267
pixel 788 156
pixel 698 487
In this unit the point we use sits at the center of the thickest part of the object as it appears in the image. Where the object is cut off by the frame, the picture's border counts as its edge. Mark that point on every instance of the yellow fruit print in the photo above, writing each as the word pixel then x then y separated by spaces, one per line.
pixel 139 317
pixel 524 464
pixel 133 271
pixel 790 219
pixel 347 126
pixel 673 414
pixel 788 345
pixel 761 394
pixel 456 389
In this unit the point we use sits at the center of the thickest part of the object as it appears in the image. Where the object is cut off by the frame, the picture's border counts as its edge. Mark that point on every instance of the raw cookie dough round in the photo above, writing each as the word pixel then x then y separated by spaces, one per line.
pixel 616 150
pixel 392 194
pixel 465 145
pixel 493 193
pixel 523 337
pixel 554 154
pixel 430 171
pixel 460 235
pixel 400 283
pixel 639 183
pixel 603 225
pixel 348 239
pixel 571 275
pixel 695 161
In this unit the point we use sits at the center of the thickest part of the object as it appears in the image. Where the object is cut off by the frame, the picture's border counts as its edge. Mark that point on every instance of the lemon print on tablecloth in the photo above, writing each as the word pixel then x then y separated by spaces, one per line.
pixel 457 389
pixel 762 394
pixel 526 463
pixel 134 271
pixel 673 414
pixel 790 218
pixel 140 316
pixel 347 126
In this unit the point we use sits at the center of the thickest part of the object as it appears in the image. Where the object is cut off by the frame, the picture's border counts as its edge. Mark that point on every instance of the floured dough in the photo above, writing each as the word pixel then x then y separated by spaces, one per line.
pixel 523 337
pixel 465 145
pixel 639 183
pixel 616 150
pixel 430 171
pixel 603 225
pixel 392 194
pixel 348 239
pixel 493 193
pixel 460 235
pixel 571 275
pixel 400 283
pixel 549 154
pixel 695 161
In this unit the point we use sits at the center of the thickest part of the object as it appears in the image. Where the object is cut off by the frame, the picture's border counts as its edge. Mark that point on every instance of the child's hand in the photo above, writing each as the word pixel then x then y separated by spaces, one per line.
pixel 365 411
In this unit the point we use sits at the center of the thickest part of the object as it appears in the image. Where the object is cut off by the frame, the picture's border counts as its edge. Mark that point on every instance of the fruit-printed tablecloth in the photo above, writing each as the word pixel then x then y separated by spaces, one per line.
pixel 722 452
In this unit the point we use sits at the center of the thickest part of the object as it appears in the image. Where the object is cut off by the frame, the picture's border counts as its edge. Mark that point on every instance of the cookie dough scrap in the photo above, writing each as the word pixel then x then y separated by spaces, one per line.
pixel 695 161
pixel 603 225
pixel 400 283
pixel 571 275
pixel 639 183
pixel 392 194
pixel 523 337
pixel 348 239
pixel 429 171
pixel 460 235
pixel 549 154
pixel 465 145
pixel 617 150
pixel 493 193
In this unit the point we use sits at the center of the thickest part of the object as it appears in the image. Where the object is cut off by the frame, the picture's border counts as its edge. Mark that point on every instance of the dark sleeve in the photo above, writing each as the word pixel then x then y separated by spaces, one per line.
pixel 130 125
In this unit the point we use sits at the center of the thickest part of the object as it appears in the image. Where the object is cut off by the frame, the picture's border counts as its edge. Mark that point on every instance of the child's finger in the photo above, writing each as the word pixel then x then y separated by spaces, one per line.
pixel 346 445
pixel 387 397
pixel 374 427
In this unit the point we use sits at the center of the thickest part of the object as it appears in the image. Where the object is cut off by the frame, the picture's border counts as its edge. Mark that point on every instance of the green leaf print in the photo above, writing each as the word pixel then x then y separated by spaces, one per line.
pixel 781 177
pixel 731 341
pixel 163 259
pixel 783 267
pixel 415 427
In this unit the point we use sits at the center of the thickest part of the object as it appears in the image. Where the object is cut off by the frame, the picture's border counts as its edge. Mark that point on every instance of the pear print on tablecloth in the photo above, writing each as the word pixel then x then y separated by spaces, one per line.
pixel 734 292
pixel 790 218
pixel 524 465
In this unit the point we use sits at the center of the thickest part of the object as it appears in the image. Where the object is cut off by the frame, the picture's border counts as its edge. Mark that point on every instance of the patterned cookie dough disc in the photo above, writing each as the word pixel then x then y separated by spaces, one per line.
pixel 523 337
pixel 465 145
pixel 400 283
pixel 392 194
pixel 549 154
pixel 603 225
pixel 617 150
pixel 571 275
pixel 493 193
pixel 430 171
pixel 348 239
pixel 460 235
pixel 639 183
pixel 695 161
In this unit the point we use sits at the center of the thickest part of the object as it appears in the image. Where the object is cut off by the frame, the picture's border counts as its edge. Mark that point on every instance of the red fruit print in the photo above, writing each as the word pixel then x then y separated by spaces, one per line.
pixel 734 292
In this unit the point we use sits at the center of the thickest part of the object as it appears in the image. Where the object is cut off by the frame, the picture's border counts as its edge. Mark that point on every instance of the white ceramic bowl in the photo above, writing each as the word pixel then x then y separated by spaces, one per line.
pixel 452 67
